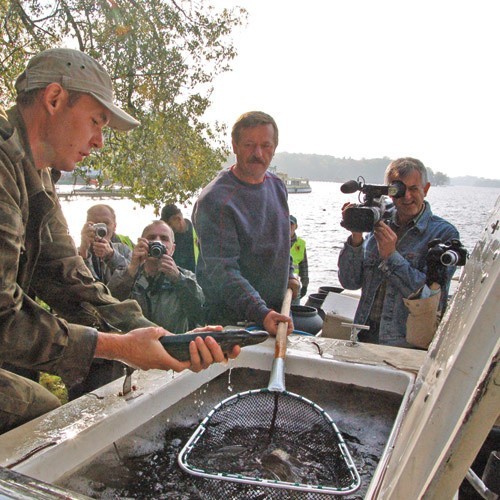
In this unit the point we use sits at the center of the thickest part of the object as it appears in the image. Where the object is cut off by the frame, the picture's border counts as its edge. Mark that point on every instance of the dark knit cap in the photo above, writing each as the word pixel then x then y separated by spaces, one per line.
pixel 293 219
pixel 168 211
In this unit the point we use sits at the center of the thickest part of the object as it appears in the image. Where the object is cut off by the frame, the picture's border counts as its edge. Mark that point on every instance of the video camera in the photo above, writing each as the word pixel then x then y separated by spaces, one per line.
pixel 100 229
pixel 442 255
pixel 156 249
pixel 363 217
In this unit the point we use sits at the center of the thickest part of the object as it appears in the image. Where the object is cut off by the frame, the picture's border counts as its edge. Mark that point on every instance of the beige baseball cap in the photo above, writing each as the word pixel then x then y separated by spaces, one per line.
pixel 74 70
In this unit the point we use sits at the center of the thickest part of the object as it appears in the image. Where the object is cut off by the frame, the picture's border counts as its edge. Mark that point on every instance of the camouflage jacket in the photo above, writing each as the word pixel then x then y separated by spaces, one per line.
pixel 38 258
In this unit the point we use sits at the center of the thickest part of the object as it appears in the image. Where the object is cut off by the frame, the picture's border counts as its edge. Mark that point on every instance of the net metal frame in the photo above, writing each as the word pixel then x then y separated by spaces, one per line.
pixel 255 409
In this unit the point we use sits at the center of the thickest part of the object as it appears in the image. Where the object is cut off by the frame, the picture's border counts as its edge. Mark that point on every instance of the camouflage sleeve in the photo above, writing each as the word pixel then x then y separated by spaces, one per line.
pixel 63 281
pixel 31 336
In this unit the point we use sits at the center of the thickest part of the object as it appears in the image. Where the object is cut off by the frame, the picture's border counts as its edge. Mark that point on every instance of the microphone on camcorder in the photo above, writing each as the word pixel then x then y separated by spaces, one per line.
pixel 350 187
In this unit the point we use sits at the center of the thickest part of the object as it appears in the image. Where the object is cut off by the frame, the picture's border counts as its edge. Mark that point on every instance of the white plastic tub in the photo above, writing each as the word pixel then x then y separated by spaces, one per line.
pixel 60 443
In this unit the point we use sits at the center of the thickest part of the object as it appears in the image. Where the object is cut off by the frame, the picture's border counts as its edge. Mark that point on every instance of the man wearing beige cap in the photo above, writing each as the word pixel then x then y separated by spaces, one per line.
pixel 64 100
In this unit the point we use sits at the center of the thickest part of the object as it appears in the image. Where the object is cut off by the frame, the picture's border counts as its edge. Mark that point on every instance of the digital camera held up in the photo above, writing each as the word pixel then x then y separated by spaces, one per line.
pixel 363 217
pixel 157 249
pixel 101 230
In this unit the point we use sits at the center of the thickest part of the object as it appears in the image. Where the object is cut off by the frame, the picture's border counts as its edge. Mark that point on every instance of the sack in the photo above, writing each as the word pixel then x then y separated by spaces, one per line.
pixel 423 318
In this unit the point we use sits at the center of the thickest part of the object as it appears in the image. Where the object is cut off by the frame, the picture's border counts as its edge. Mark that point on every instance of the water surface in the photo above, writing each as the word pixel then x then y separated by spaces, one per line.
pixel 318 215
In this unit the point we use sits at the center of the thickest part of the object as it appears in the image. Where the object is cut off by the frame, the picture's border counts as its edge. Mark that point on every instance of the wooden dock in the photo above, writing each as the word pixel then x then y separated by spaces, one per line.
pixel 97 194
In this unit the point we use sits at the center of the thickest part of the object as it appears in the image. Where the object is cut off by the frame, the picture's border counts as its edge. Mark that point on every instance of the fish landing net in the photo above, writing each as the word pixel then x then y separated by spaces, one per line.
pixel 269 443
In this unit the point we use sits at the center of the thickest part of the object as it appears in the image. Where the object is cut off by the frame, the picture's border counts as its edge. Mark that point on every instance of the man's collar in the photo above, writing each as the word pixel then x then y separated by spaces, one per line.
pixel 411 222
pixel 419 221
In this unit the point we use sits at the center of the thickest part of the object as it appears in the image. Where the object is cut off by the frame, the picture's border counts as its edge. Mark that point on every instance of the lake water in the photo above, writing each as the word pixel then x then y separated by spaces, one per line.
pixel 318 215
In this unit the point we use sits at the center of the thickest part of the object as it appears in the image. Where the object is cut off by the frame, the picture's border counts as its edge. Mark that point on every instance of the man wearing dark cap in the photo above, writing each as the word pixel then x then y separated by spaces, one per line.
pixel 64 101
pixel 186 242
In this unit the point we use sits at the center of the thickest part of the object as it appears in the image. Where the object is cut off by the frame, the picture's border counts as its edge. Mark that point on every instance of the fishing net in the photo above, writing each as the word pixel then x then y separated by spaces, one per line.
pixel 264 444
pixel 269 443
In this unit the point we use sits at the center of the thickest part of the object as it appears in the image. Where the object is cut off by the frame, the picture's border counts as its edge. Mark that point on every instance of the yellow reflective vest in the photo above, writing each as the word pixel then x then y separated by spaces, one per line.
pixel 297 251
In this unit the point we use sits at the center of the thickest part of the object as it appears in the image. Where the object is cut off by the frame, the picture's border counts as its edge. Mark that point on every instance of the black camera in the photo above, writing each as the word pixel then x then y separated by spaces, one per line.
pixel 363 217
pixel 451 253
pixel 441 255
pixel 100 229
pixel 157 249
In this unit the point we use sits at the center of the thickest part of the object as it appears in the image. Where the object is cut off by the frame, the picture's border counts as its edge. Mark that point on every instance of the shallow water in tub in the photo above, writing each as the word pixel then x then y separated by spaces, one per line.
pixel 144 464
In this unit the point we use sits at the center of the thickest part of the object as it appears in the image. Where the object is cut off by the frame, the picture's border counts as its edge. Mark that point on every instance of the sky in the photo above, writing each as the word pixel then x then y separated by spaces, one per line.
pixel 371 78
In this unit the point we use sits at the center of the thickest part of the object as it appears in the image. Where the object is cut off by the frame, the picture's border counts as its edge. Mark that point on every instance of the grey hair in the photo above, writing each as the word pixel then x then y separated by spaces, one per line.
pixel 402 167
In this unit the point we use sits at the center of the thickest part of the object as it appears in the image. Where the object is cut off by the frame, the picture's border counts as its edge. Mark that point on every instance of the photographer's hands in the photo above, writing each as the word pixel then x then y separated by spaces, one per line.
pixel 165 264
pixel 386 240
pixel 385 236
pixel 169 268
pixel 139 255
pixel 102 248
pixel 87 237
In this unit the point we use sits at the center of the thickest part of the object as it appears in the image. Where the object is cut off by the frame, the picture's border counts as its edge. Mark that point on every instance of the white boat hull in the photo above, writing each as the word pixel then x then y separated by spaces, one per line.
pixel 450 395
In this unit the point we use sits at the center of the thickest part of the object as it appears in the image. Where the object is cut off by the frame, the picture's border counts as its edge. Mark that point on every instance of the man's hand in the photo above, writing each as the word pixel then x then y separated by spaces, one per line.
pixel 139 255
pixel 386 240
pixel 103 249
pixel 294 284
pixel 273 319
pixel 356 238
pixel 87 237
pixel 141 349
pixel 212 345
pixel 208 351
pixel 169 268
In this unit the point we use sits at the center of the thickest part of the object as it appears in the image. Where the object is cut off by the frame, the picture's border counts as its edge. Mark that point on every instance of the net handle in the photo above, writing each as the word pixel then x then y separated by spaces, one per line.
pixel 281 336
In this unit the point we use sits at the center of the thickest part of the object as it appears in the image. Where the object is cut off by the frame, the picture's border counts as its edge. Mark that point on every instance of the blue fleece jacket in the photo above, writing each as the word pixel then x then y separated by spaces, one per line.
pixel 244 235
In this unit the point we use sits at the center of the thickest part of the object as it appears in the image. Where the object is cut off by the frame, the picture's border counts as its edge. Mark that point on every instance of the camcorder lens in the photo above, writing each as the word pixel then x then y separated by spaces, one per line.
pixel 361 219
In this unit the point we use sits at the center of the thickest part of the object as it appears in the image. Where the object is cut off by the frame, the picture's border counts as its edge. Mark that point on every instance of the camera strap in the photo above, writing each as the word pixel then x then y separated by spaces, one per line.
pixel 98 265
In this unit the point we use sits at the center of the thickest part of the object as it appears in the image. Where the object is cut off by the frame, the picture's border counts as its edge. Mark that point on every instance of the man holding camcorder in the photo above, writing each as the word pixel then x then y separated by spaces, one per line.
pixel 390 263
pixel 168 295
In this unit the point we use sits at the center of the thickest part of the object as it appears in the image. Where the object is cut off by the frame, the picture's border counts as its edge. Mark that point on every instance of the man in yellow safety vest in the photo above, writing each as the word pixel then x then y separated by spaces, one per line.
pixel 299 257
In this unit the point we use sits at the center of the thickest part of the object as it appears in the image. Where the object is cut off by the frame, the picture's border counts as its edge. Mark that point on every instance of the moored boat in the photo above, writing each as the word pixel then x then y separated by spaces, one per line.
pixel 297 185
pixel 293 184
pixel 94 192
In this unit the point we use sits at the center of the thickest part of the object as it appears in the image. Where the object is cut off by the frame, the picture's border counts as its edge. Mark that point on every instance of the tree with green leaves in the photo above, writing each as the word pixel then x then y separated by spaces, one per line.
pixel 162 56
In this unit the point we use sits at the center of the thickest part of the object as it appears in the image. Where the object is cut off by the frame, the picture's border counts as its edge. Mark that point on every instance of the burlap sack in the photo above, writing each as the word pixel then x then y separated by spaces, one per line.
pixel 423 320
